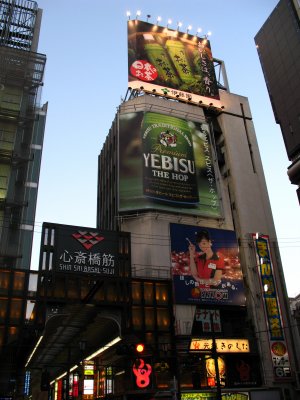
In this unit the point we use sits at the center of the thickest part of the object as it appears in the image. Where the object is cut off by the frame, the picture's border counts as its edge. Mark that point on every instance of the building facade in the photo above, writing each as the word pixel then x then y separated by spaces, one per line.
pixel 278 46
pixel 22 122
pixel 245 210
pixel 153 186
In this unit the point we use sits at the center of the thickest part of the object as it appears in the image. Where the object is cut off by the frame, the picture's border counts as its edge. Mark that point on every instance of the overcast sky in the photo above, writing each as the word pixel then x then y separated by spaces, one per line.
pixel 86 76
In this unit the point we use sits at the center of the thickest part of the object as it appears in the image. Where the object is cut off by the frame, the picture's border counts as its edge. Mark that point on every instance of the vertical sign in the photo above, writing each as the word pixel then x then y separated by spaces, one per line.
pixel 278 346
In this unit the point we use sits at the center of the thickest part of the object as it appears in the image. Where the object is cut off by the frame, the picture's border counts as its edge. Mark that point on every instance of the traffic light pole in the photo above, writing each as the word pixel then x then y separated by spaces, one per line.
pixel 215 358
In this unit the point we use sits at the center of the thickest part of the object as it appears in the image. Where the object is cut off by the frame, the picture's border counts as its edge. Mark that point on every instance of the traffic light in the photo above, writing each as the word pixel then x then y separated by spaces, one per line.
pixel 133 350
pixel 139 348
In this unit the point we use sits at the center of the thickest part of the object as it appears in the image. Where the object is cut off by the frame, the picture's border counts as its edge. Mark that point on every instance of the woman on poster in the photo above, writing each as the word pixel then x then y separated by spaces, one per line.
pixel 206 267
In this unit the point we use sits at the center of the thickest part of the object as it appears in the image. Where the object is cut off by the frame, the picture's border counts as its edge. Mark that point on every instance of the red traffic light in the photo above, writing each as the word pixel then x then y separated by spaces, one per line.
pixel 139 347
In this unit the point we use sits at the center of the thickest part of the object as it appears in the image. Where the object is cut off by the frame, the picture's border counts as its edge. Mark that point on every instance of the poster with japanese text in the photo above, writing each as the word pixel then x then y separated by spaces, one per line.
pixel 170 63
pixel 166 163
pixel 85 250
pixel 205 266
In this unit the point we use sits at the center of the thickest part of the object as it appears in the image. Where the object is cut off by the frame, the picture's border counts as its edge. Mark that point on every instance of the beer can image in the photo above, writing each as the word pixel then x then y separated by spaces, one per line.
pixel 158 57
pixel 169 169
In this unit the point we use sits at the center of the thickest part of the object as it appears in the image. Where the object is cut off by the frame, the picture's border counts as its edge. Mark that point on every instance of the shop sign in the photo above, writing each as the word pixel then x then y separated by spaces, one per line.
pixel 213 396
pixel 222 345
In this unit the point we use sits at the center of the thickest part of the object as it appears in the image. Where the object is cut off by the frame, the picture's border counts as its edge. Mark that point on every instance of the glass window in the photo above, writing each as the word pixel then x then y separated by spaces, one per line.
pixel 149 318
pixel 19 280
pixel 163 319
pixel 29 310
pixel 148 293
pixel 12 333
pixel 1 336
pixel 112 292
pixel 162 295
pixel 3 308
pixel 136 293
pixel 16 309
pixel 137 317
pixel 4 282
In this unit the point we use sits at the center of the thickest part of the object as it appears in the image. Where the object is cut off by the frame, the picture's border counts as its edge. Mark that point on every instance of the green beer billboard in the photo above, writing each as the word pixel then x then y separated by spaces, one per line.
pixel 169 62
pixel 166 164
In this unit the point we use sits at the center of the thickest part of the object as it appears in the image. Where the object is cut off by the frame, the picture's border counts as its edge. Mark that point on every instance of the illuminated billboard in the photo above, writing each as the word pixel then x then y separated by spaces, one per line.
pixel 206 266
pixel 213 396
pixel 171 63
pixel 80 250
pixel 222 345
pixel 278 345
pixel 166 164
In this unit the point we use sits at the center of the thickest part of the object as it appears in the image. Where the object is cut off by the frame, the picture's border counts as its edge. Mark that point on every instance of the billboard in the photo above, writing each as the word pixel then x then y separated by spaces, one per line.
pixel 206 267
pixel 222 345
pixel 278 345
pixel 166 164
pixel 170 63
pixel 83 250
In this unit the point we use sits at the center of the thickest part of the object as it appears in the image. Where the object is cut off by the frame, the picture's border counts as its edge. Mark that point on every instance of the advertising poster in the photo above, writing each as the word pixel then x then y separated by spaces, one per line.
pixel 172 63
pixel 278 345
pixel 85 250
pixel 166 164
pixel 205 266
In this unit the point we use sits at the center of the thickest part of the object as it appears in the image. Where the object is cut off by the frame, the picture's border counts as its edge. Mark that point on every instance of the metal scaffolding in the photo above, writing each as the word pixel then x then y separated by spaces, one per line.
pixel 17 21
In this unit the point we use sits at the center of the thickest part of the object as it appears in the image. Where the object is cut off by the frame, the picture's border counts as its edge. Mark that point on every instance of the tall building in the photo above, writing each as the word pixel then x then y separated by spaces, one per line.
pixel 184 260
pixel 152 185
pixel 278 46
pixel 22 123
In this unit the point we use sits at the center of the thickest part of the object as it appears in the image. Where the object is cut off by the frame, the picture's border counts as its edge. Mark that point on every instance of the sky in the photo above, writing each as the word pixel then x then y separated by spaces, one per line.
pixel 85 42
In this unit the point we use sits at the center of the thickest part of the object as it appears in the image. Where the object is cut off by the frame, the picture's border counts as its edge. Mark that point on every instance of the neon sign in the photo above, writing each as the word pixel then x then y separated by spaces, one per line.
pixel 142 371
pixel 277 342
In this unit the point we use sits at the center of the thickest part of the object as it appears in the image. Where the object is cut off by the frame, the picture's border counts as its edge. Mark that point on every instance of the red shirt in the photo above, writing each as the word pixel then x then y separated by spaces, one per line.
pixel 207 268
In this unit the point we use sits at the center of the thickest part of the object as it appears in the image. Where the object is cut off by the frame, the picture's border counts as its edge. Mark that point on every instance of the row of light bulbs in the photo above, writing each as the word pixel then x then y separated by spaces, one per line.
pixel 179 24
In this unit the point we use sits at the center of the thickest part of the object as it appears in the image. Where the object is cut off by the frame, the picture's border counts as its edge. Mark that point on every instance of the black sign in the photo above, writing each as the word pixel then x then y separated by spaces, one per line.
pixel 85 250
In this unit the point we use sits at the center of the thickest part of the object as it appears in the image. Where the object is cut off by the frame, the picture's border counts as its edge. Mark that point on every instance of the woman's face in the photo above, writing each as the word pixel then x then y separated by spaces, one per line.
pixel 205 245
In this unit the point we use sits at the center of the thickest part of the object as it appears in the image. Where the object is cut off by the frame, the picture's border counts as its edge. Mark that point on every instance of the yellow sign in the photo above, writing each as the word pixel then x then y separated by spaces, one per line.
pixel 211 396
pixel 222 345
pixel 88 369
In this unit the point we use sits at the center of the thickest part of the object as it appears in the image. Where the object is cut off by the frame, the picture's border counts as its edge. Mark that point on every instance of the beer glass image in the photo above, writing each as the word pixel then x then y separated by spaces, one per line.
pixel 169 171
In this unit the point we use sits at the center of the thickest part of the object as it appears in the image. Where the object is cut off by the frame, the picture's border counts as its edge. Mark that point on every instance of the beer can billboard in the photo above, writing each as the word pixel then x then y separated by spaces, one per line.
pixel 170 63
pixel 205 266
pixel 166 164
